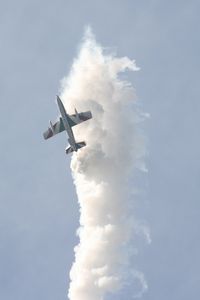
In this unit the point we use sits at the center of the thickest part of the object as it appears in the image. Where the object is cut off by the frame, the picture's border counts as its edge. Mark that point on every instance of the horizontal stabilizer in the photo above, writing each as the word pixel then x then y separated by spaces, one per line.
pixel 70 149
pixel 80 145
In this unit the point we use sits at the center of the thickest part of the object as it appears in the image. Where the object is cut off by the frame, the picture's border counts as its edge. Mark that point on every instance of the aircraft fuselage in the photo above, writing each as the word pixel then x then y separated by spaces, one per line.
pixel 65 120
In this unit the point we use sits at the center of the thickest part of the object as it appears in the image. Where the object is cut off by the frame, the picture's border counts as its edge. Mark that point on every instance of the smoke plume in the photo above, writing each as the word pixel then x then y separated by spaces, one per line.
pixel 102 172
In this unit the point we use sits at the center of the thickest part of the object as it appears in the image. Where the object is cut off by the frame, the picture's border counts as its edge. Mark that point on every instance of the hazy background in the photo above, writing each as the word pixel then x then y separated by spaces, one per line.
pixel 38 209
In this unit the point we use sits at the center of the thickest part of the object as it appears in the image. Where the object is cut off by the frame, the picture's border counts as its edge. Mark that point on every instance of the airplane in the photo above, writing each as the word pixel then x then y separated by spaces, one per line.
pixel 66 122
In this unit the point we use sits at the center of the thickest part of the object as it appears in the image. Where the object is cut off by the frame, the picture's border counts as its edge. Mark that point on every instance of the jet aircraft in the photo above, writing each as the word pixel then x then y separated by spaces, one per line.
pixel 66 122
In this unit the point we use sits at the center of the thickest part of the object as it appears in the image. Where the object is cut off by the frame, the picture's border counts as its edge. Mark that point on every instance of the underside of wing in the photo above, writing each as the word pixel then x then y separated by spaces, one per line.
pixel 79 118
pixel 54 129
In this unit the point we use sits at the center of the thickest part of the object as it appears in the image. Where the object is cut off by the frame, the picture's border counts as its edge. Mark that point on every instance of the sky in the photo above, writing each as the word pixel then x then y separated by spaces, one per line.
pixel 38 205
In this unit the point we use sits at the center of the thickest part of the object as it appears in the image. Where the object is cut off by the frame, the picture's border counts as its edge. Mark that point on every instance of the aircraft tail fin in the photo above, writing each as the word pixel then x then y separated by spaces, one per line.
pixel 79 145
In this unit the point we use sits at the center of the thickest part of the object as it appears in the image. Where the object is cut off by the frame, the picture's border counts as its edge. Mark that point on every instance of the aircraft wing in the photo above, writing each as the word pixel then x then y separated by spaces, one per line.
pixel 54 129
pixel 79 118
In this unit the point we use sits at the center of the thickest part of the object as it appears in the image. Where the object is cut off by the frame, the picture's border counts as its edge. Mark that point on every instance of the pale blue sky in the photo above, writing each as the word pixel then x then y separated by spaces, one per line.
pixel 38 210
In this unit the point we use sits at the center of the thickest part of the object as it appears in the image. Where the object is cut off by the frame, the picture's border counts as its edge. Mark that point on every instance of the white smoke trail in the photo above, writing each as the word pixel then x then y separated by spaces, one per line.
pixel 102 172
